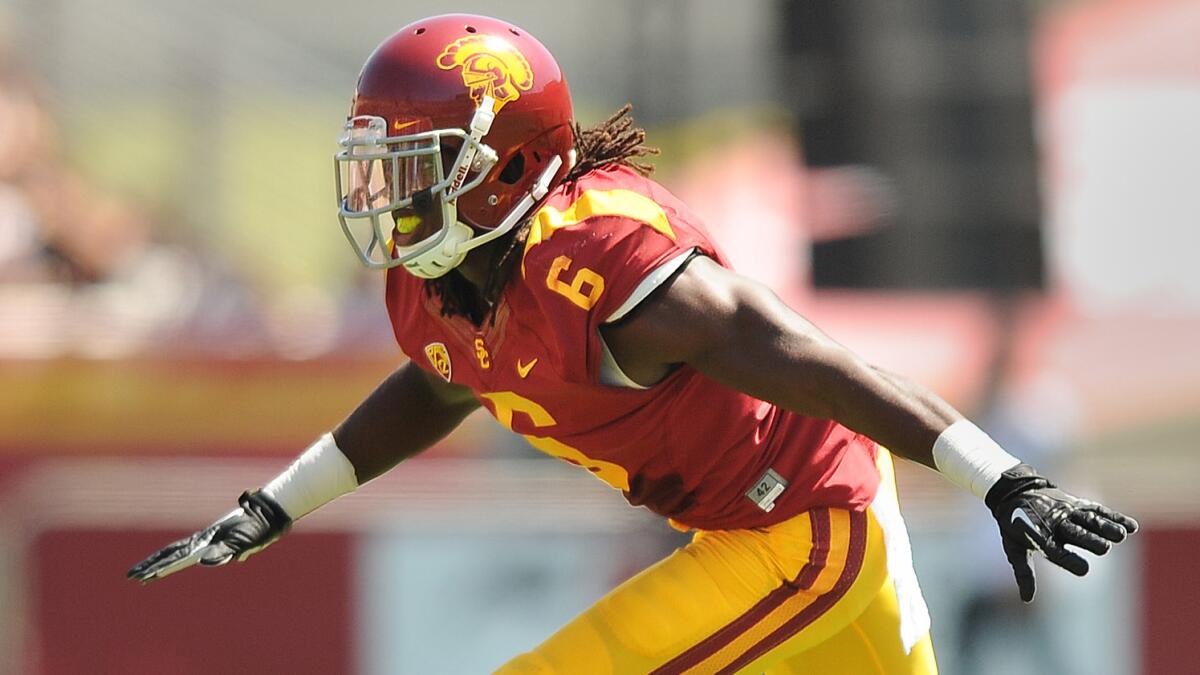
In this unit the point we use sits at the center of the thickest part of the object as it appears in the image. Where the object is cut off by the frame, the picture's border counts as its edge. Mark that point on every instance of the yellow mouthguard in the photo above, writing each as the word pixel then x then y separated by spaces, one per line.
pixel 406 224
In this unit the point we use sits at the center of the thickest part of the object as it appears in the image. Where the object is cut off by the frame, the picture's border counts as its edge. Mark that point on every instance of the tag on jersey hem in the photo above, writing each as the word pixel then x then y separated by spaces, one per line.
pixel 766 490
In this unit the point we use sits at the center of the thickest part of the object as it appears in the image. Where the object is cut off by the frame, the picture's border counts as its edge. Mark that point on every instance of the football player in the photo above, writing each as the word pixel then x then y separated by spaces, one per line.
pixel 534 270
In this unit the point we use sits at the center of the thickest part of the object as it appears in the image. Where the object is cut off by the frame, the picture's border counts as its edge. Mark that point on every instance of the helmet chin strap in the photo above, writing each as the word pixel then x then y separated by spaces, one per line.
pixel 540 187
pixel 445 256
pixel 460 240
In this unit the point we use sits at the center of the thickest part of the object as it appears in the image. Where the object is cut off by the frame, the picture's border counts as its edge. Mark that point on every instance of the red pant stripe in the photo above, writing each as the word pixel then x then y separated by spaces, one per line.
pixel 854 561
pixel 817 557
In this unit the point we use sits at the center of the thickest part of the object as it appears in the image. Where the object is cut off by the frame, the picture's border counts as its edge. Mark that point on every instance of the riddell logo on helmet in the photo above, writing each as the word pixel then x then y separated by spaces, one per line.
pixel 490 67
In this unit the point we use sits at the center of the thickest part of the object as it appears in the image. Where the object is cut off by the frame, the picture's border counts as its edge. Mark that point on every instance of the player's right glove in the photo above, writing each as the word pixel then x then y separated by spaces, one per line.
pixel 257 522
pixel 1034 515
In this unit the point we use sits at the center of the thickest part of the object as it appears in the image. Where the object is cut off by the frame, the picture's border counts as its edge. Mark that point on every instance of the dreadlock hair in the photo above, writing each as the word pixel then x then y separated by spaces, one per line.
pixel 615 141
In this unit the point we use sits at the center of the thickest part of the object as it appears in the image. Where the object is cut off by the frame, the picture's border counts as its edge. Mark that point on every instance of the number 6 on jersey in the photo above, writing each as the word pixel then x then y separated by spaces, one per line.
pixel 574 290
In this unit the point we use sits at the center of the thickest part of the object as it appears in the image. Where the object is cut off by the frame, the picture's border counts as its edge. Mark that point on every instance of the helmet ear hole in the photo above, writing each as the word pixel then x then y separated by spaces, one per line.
pixel 512 172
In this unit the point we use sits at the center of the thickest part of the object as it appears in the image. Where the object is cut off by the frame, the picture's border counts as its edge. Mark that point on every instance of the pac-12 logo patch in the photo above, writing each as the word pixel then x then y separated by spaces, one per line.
pixel 490 67
pixel 439 358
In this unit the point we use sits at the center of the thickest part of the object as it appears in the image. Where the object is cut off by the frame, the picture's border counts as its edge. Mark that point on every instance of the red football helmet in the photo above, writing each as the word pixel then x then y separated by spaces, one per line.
pixel 459 125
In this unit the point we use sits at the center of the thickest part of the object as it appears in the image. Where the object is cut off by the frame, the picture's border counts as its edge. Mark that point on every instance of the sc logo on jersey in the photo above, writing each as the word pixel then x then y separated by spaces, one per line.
pixel 439 358
pixel 490 67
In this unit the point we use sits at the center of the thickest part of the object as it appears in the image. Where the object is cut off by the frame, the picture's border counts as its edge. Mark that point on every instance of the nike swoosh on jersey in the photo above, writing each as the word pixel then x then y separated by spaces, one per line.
pixel 524 368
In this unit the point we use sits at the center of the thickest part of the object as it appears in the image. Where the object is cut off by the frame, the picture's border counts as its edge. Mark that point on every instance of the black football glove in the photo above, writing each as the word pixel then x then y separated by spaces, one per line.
pixel 1034 515
pixel 257 522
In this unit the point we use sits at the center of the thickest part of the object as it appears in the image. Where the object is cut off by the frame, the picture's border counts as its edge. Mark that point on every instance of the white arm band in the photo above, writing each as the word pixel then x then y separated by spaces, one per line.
pixel 318 476
pixel 970 459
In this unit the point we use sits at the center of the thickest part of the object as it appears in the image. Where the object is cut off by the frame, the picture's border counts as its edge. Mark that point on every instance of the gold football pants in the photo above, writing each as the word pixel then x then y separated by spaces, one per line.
pixel 812 594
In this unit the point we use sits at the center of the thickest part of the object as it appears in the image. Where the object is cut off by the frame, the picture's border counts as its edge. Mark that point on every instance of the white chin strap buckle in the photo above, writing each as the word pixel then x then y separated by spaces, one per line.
pixel 445 256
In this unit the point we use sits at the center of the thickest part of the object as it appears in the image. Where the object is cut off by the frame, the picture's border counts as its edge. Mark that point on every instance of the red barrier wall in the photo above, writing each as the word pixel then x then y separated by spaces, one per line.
pixel 293 615
pixel 1170 596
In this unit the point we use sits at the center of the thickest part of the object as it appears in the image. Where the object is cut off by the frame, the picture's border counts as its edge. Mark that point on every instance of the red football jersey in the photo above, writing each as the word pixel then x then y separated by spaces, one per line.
pixel 687 448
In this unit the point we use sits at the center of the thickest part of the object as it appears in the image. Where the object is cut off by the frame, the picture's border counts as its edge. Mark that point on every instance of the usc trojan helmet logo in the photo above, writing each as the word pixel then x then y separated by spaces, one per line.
pixel 490 67
pixel 439 358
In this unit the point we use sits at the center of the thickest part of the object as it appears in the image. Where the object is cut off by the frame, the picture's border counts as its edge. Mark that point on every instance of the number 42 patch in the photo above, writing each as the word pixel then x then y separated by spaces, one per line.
pixel 767 489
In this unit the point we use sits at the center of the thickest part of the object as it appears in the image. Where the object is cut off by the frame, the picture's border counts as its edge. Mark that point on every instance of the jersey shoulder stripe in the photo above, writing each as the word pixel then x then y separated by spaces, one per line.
pixel 593 203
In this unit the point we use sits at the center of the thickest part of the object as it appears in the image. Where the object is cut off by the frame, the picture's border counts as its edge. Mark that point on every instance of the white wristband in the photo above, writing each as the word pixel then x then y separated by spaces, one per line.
pixel 970 459
pixel 318 476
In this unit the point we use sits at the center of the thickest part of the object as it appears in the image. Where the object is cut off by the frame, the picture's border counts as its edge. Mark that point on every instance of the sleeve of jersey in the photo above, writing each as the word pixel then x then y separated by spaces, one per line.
pixel 583 273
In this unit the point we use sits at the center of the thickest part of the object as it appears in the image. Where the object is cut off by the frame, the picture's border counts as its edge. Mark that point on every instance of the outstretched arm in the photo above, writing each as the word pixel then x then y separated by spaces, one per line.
pixel 741 335
pixel 408 412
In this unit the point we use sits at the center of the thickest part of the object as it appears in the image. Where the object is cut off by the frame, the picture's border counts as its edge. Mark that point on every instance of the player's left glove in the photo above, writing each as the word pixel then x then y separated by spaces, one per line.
pixel 257 522
pixel 1034 515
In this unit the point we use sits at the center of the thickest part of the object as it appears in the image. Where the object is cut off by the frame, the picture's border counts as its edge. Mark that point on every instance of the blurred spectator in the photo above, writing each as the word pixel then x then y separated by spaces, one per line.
pixel 80 269
pixel 1034 416
pixel 88 236
pixel 24 139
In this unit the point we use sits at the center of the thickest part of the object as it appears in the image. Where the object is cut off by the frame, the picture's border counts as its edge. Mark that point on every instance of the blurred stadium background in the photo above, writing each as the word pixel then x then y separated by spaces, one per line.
pixel 999 199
